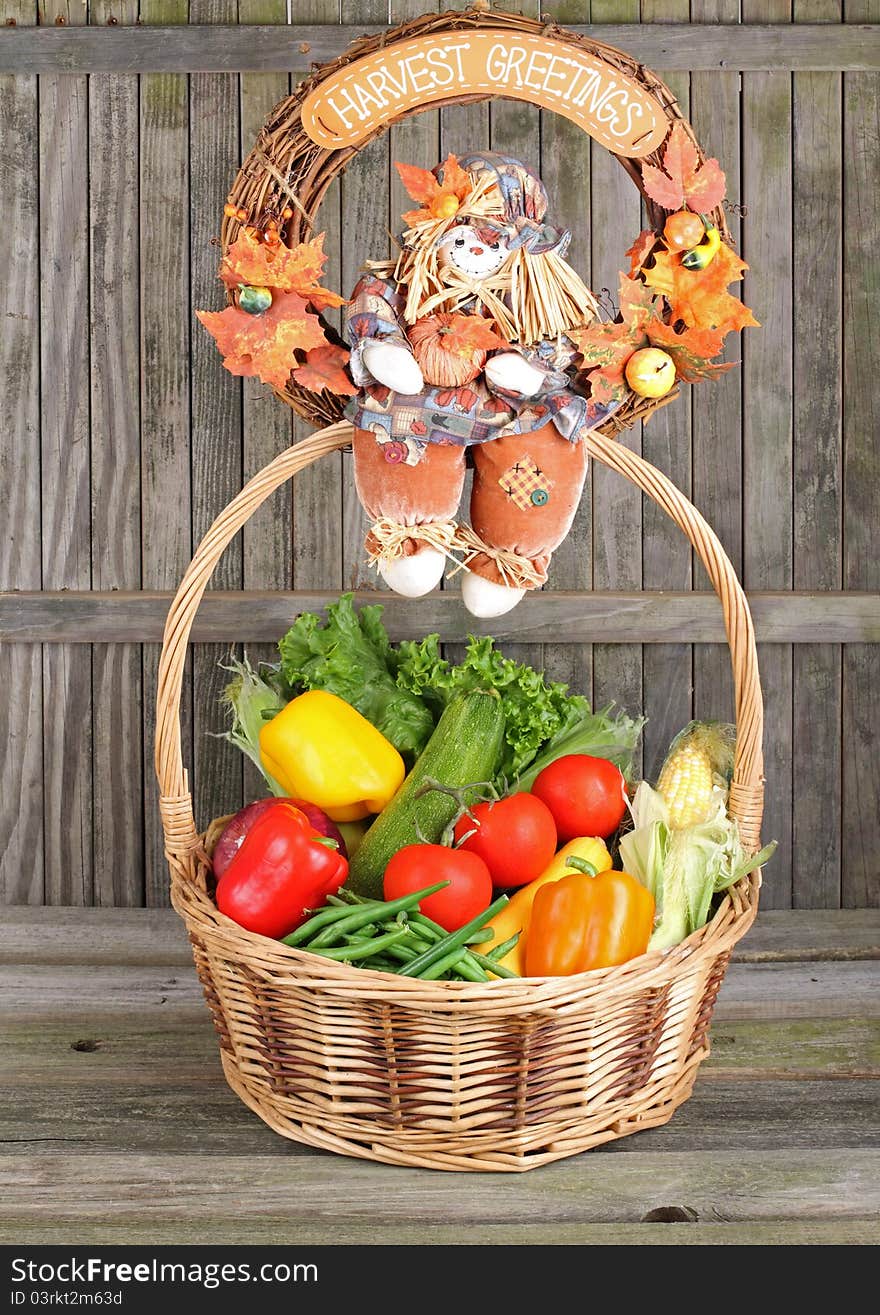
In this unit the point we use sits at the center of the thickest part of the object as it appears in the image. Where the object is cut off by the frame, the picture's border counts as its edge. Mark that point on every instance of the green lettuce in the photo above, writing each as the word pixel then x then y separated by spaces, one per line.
pixel 403 689
pixel 350 655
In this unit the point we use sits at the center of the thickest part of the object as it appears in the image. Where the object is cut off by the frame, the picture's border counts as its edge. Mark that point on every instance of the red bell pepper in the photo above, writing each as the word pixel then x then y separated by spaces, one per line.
pixel 283 870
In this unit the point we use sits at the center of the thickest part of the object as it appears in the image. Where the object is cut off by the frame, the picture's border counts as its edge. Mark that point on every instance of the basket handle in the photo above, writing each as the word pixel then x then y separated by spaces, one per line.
pixel 182 841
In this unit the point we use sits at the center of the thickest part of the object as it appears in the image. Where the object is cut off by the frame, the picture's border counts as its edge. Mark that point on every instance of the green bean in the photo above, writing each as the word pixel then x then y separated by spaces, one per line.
pixel 499 951
pixel 492 965
pixel 338 926
pixel 454 941
pixel 441 966
pixel 475 938
pixel 363 949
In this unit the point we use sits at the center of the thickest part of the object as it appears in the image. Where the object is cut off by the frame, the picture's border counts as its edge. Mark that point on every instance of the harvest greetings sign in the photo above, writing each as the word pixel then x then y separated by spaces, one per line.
pixel 349 105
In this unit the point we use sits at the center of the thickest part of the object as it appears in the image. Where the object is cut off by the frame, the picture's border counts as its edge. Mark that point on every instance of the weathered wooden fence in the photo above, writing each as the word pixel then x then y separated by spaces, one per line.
pixel 122 437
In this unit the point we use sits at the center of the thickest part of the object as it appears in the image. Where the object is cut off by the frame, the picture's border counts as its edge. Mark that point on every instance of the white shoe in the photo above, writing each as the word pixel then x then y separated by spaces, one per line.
pixel 416 575
pixel 483 598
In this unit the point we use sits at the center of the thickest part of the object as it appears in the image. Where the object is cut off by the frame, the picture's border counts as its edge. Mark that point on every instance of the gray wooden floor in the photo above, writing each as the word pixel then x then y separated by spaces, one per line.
pixel 116 1125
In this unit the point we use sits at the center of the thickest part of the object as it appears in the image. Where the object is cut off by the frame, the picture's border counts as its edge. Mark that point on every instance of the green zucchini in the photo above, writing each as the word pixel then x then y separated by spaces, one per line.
pixel 465 747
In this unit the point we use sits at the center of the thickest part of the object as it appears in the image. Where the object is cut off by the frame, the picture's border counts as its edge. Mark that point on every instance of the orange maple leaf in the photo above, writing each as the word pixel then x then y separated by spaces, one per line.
pixel 699 296
pixel 325 368
pixel 264 345
pixel 608 347
pixel 641 250
pixel 465 334
pixel 686 182
pixel 691 351
pixel 290 269
pixel 441 197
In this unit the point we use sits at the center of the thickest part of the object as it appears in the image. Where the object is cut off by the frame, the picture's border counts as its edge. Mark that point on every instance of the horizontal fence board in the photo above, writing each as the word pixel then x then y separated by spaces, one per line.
pixel 248 616
pixel 671 47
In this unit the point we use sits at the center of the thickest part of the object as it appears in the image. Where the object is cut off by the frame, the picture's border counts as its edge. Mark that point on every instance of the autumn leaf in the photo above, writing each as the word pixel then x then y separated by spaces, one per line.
pixel 440 200
pixel 290 269
pixel 608 347
pixel 263 345
pixel 691 351
pixel 699 297
pixel 641 250
pixel 701 187
pixel 325 368
pixel 465 334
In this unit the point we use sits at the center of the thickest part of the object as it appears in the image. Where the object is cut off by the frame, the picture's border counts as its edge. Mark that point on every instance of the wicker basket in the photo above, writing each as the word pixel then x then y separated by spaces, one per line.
pixel 503 1075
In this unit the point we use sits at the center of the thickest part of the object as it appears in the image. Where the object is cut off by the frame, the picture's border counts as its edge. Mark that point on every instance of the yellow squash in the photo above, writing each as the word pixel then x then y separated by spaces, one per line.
pixel 319 748
pixel 517 913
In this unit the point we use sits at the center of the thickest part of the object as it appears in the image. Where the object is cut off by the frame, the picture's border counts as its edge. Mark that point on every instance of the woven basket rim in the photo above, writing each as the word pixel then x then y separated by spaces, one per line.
pixel 286 167
pixel 731 920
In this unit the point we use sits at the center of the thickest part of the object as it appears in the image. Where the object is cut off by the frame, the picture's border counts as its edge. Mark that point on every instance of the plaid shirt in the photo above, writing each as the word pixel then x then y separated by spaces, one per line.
pixel 472 413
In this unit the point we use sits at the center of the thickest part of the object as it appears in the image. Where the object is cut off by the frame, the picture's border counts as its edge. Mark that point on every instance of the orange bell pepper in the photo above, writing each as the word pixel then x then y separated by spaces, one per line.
pixel 588 920
pixel 516 915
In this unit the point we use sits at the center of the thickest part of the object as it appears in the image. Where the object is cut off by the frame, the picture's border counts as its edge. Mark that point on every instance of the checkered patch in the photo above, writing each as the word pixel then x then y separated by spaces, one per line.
pixel 525 484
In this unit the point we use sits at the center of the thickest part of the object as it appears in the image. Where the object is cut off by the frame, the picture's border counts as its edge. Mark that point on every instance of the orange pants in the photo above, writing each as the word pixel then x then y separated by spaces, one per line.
pixel 525 494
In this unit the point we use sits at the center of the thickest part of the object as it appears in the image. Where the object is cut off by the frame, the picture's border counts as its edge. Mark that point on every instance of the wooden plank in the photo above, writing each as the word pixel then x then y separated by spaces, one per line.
pixel 816 710
pixel 751 991
pixel 565 169
pixel 216 434
pixel 234 1232
pixel 165 393
pixel 767 413
pixel 117 676
pixel 60 1054
pixel 165 1110
pixel 668 47
pixel 560 617
pixel 65 468
pixel 666 553
pixel 717 407
pixel 267 539
pixel 133 937
pixel 861 473
pixel 366 223
pixel 605 1187
pixel 21 717
pixel 616 505
pixel 320 529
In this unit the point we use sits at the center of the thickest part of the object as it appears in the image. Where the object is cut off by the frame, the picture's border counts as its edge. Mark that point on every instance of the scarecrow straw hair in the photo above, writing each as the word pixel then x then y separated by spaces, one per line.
pixel 530 298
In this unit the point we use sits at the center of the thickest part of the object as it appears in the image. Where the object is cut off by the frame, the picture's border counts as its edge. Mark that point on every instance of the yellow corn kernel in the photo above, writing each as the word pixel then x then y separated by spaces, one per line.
pixel 686 784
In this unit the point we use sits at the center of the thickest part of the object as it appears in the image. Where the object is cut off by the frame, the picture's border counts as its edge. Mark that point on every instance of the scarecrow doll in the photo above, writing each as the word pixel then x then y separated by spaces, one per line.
pixel 460 343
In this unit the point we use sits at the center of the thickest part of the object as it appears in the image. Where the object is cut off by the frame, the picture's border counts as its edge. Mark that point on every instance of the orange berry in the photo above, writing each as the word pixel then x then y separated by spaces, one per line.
pixel 229 210
pixel 241 214
pixel 287 213
pixel 684 229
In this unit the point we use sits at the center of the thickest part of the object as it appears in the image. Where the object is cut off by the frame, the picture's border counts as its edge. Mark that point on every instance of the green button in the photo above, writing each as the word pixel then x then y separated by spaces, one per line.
pixel 540 497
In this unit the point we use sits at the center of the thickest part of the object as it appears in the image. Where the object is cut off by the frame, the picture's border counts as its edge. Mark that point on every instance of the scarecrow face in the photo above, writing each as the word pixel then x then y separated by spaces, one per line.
pixel 476 252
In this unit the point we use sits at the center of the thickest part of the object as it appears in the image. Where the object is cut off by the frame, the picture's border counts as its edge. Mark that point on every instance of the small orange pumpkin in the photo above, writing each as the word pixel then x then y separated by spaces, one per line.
pixel 441 365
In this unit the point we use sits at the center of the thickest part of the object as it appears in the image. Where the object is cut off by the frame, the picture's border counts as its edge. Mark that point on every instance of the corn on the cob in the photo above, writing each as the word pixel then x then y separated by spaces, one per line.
pixel 698 766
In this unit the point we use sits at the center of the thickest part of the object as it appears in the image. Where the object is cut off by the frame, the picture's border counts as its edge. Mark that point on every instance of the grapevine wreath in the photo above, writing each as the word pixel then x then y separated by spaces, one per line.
pixel 412 372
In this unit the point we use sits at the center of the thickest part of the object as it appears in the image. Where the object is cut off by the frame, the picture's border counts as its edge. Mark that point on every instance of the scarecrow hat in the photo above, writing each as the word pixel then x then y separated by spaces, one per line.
pixel 523 203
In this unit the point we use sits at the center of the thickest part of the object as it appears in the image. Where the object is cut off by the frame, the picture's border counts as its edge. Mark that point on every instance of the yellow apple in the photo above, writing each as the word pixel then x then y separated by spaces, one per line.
pixel 650 372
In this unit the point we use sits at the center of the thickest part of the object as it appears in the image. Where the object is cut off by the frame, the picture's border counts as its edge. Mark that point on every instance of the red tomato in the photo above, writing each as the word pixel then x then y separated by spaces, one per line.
pixel 515 838
pixel 416 866
pixel 585 795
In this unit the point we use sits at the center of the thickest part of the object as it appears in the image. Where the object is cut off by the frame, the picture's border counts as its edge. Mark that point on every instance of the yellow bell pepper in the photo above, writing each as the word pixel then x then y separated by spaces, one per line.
pixel 517 913
pixel 319 748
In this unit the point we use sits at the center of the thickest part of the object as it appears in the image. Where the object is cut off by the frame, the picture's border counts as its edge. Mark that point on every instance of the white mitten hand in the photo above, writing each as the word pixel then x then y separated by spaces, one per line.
pixel 394 366
pixel 513 374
